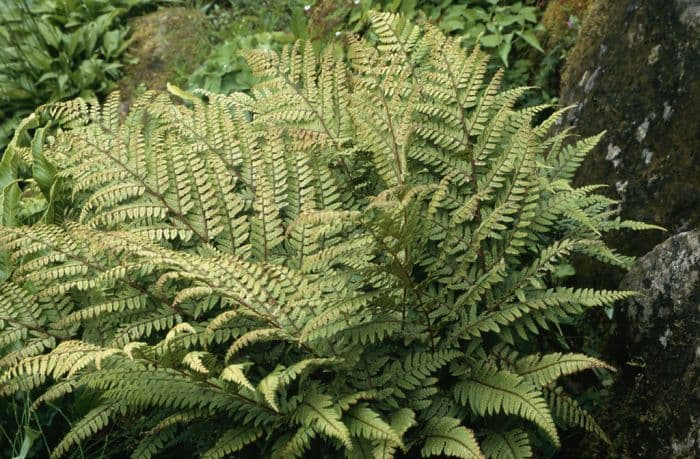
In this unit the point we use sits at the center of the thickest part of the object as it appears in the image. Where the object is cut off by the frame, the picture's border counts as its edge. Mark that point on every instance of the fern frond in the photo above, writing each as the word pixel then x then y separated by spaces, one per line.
pixel 154 443
pixel 571 413
pixel 296 445
pixel 234 373
pixel 95 420
pixel 317 411
pixel 363 422
pixel 545 369
pixel 446 436
pixel 488 391
pixel 231 441
pixel 565 164
pixel 511 444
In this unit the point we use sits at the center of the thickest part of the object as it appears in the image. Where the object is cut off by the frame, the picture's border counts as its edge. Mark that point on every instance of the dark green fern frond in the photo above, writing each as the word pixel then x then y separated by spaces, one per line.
pixel 489 392
pixel 511 444
pixel 570 412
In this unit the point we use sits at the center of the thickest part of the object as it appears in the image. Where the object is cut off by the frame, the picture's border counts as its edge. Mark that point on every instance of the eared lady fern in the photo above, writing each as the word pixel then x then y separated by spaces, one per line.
pixel 355 259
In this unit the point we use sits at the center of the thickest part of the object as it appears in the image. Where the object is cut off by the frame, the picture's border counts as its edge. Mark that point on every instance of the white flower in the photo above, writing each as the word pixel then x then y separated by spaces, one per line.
pixel 337 34
pixel 307 7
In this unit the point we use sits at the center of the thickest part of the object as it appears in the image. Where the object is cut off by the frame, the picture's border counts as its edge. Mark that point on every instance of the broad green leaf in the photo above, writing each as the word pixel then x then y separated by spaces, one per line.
pixel 490 40
pixel 42 170
pixel 531 39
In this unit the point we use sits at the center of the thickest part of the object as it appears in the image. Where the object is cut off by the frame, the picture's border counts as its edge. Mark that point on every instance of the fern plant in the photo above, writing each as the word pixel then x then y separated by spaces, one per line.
pixel 354 259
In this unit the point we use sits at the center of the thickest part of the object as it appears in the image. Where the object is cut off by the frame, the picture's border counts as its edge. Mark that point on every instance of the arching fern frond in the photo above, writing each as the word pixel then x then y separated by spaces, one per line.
pixel 511 444
pixel 489 392
pixel 446 436
pixel 543 370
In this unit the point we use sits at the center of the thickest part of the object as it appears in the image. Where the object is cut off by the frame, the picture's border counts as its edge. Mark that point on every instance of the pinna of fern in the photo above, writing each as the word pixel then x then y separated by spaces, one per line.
pixel 352 260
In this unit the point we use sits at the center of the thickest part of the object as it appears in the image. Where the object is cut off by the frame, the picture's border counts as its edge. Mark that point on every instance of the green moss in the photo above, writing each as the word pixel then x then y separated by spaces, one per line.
pixel 168 45
pixel 557 14
pixel 592 32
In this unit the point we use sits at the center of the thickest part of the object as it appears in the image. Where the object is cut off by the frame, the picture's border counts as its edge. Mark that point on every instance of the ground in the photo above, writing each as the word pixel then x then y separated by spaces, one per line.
pixel 168 45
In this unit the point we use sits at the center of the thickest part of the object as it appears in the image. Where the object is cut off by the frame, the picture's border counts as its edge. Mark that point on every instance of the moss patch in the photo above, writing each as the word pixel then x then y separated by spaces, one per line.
pixel 169 44
pixel 556 17
pixel 595 24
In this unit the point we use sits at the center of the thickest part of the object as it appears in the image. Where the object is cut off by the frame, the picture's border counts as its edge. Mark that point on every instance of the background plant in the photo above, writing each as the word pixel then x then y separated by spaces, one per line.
pixel 508 28
pixel 57 49
pixel 226 70
pixel 496 25
pixel 349 260
pixel 241 27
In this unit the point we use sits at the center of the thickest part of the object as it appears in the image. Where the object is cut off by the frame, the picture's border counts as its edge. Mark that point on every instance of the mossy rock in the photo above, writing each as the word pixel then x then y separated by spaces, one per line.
pixel 653 408
pixel 634 72
pixel 557 14
pixel 168 45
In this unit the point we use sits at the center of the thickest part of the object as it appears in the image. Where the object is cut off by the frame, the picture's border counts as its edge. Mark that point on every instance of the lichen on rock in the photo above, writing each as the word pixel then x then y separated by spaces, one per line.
pixel 634 72
pixel 662 332
pixel 653 409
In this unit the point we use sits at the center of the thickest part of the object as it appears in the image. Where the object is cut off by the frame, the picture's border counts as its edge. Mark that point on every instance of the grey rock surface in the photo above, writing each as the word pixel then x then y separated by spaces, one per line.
pixel 653 410
pixel 635 72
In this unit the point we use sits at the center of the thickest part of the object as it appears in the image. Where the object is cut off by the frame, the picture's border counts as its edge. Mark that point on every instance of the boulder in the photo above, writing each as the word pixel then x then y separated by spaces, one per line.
pixel 634 72
pixel 653 408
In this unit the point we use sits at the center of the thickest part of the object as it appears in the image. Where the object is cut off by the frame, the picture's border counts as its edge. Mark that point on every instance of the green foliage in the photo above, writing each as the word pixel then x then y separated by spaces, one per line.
pixel 356 258
pixel 242 28
pixel 496 25
pixel 507 28
pixel 225 69
pixel 55 50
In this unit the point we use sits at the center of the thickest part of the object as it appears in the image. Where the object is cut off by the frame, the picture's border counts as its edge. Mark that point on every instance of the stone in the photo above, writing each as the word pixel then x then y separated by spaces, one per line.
pixel 653 409
pixel 634 72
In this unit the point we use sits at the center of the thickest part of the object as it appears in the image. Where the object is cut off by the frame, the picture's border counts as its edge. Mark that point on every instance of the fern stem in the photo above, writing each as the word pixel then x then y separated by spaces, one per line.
pixel 469 151
pixel 312 107
pixel 176 214
pixel 216 388
pixel 394 141
pixel 101 269
pixel 408 280
pixel 267 318
pixel 220 154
